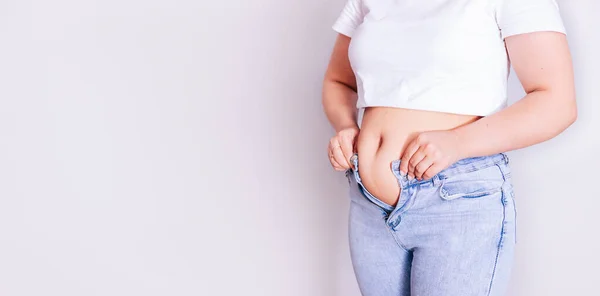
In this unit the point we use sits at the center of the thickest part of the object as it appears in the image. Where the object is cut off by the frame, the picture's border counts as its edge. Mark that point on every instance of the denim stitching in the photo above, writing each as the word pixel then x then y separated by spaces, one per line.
pixel 372 199
pixel 500 244
pixel 368 201
pixel 371 205
pixel 471 169
pixel 502 232
pixel 363 190
pixel 515 211
pixel 450 171
pixel 514 205
pixel 478 194
pixel 397 240
pixel 412 198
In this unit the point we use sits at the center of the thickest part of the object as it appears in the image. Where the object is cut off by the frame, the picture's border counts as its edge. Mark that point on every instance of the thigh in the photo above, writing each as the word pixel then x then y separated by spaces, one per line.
pixel 381 266
pixel 470 251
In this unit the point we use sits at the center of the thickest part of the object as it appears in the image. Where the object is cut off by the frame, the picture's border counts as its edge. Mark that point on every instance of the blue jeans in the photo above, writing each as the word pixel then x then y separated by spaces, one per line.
pixel 451 235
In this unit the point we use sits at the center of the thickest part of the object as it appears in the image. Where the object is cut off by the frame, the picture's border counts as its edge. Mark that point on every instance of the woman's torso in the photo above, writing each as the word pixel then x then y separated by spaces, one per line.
pixel 446 57
pixel 384 134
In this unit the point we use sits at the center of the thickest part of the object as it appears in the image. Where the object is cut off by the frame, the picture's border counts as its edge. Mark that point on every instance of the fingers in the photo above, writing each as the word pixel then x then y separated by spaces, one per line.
pixel 346 145
pixel 423 166
pixel 338 155
pixel 334 163
pixel 432 171
pixel 415 160
pixel 407 155
pixel 341 148
pixel 423 158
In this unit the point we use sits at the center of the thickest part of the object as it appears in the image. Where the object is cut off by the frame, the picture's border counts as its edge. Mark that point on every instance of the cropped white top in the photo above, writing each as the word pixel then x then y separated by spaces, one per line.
pixel 438 55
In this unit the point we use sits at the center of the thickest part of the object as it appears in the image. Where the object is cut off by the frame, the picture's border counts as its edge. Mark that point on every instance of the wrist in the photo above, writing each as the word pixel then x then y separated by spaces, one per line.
pixel 352 126
pixel 462 145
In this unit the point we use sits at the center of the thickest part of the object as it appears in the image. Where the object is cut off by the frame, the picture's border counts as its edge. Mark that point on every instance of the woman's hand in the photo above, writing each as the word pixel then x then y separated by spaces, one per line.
pixel 341 148
pixel 429 153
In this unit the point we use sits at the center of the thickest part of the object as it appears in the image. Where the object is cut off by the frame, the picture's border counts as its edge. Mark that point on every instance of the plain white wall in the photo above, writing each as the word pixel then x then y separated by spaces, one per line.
pixel 178 148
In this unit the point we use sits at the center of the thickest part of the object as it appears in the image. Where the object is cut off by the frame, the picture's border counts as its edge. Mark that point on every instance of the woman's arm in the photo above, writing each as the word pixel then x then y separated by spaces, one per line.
pixel 339 104
pixel 543 64
pixel 339 87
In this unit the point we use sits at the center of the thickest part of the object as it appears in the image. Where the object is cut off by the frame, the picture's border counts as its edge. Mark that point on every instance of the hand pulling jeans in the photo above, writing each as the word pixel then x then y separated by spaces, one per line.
pixel 451 235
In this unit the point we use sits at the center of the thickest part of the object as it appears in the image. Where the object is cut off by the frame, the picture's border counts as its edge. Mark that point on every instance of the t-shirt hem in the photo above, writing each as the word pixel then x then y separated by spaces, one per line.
pixel 343 29
pixel 440 110
pixel 518 31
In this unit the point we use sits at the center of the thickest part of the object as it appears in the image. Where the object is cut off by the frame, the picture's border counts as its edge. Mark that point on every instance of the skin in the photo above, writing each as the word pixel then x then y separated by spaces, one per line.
pixel 428 142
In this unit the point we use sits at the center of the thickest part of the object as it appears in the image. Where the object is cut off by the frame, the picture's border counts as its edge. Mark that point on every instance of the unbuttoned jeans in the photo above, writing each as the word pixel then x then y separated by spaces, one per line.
pixel 451 235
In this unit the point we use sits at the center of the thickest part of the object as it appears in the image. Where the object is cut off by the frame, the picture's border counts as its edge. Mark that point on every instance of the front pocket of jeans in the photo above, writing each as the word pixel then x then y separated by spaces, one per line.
pixel 476 184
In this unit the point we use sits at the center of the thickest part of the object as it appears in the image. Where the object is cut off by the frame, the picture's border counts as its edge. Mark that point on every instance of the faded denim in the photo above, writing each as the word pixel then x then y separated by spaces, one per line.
pixel 451 235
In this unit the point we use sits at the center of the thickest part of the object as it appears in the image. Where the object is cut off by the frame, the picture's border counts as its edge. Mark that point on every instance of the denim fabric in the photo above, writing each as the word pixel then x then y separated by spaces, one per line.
pixel 451 235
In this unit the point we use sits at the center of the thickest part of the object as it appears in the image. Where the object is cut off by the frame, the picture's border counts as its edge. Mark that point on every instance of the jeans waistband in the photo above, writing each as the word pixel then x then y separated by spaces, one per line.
pixel 464 165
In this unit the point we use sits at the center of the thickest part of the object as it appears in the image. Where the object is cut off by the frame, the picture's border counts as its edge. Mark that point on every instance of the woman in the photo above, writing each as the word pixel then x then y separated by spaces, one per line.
pixel 433 209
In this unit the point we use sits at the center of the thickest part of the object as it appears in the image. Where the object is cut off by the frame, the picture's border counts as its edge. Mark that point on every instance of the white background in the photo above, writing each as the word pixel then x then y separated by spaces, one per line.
pixel 178 148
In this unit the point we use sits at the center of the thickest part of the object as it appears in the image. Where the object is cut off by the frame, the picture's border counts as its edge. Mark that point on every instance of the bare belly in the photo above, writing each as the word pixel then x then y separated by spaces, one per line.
pixel 384 134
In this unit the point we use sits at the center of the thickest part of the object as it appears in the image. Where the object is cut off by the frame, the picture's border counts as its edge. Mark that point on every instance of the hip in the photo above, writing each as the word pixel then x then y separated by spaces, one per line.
pixel 469 187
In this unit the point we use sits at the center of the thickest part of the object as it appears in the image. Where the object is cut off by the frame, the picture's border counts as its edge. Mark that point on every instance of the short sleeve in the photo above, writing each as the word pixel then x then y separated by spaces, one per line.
pixel 351 17
pixel 526 16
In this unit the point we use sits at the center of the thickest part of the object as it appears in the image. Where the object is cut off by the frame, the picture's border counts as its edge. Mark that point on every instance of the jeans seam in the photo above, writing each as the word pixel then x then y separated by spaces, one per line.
pixel 515 213
pixel 501 241
pixel 364 197
pixel 443 175
pixel 368 195
pixel 477 194
pixel 397 240
pixel 511 195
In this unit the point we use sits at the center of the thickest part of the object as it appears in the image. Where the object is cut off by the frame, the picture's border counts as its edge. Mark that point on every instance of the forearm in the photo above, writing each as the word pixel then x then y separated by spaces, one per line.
pixel 339 104
pixel 538 117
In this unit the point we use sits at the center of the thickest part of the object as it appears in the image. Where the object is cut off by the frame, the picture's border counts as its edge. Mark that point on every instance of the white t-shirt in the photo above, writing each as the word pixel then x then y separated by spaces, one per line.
pixel 438 55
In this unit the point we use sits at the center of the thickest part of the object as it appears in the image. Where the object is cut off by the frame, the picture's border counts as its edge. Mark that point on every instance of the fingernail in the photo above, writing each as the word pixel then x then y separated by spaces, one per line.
pixel 410 178
pixel 403 174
